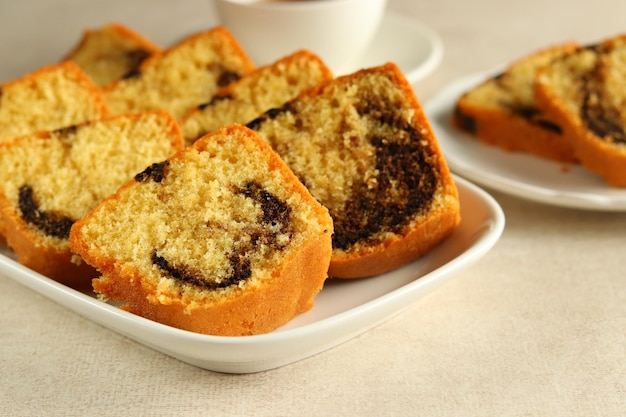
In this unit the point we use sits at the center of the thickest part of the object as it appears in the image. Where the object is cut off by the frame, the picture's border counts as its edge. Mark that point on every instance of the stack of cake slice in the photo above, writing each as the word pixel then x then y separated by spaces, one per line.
pixel 288 176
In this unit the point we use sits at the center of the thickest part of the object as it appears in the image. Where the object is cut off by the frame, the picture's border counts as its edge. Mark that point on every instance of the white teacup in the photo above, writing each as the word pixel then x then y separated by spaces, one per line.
pixel 338 31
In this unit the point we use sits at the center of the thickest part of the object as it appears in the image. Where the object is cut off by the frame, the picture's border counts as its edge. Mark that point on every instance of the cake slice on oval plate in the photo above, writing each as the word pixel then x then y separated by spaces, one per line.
pixel 220 239
pixel 363 146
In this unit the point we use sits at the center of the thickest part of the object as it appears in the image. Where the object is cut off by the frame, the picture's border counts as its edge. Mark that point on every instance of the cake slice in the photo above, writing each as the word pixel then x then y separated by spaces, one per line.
pixel 584 92
pixel 363 147
pixel 183 76
pixel 110 52
pixel 503 110
pixel 220 239
pixel 51 179
pixel 50 98
pixel 266 87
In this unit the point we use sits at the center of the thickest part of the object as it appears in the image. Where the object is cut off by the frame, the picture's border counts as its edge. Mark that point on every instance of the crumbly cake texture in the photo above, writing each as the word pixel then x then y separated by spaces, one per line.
pixel 50 98
pixel 584 92
pixel 503 110
pixel 51 179
pixel 364 148
pixel 266 87
pixel 183 76
pixel 110 52
pixel 220 239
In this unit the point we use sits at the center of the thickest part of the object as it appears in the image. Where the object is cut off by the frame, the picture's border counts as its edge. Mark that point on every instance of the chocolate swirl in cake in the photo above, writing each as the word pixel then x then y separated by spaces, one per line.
pixel 597 110
pixel 50 222
pixel 404 186
pixel 273 221
pixel 155 172
pixel 134 59
pixel 214 100
pixel 406 179
pixel 531 113
pixel 227 77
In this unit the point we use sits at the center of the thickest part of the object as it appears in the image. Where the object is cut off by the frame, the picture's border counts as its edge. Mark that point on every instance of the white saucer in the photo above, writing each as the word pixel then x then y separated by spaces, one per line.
pixel 343 309
pixel 415 48
pixel 518 174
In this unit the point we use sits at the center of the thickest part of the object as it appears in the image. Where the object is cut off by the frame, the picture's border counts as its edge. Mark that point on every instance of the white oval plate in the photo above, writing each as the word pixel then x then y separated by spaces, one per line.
pixel 415 48
pixel 343 309
pixel 514 173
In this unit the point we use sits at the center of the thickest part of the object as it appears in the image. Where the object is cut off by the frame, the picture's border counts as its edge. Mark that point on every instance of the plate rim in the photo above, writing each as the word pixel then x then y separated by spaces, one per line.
pixel 429 35
pixel 248 354
pixel 435 44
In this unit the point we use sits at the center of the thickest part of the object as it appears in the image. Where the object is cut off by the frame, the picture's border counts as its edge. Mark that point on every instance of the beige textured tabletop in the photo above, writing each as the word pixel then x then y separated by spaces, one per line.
pixel 537 327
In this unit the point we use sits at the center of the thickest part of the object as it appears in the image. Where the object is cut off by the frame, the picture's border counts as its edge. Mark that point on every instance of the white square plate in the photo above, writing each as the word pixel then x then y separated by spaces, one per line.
pixel 343 309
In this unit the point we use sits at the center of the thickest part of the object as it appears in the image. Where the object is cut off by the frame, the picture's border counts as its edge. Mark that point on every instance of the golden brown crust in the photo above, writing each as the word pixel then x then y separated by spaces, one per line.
pixel 337 117
pixel 260 308
pixel 25 123
pixel 503 111
pixel 254 312
pixel 422 235
pixel 575 90
pixel 595 155
pixel 35 250
pixel 107 53
pixel 50 261
pixel 513 134
pixel 231 44
pixel 182 76
pixel 35 115
pixel 122 30
pixel 399 249
pixel 256 92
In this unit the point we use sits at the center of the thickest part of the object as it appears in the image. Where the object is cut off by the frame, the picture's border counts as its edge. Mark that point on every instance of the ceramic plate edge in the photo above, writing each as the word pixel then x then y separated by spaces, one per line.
pixel 400 298
pixel 435 57
pixel 434 43
pixel 127 324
